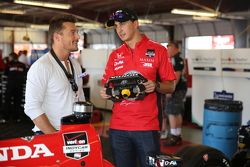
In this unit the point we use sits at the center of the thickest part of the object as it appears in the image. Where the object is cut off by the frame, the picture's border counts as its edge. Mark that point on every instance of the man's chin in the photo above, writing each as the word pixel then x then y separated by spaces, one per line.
pixel 74 50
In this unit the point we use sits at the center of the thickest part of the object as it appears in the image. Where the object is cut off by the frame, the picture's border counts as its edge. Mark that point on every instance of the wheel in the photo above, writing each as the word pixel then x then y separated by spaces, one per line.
pixel 202 156
pixel 241 158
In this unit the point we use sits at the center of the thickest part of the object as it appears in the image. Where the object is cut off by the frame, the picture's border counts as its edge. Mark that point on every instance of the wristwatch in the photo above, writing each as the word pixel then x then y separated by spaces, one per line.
pixel 157 86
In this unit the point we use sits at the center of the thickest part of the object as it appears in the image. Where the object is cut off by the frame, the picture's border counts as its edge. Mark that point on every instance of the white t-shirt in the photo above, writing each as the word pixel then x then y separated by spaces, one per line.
pixel 49 91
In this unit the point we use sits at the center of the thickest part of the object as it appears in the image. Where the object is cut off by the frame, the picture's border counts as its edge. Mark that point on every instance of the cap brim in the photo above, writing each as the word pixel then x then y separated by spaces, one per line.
pixel 110 23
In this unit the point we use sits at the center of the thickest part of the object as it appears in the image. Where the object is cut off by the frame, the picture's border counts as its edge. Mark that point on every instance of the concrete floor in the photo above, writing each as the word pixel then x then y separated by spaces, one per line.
pixel 191 134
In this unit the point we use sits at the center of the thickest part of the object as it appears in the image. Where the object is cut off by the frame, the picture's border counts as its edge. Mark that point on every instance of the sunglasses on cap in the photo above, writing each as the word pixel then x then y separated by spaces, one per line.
pixel 121 15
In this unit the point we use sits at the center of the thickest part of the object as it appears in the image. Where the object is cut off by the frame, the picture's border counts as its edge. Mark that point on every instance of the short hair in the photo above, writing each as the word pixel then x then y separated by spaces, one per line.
pixel 56 24
pixel 174 43
pixel 13 55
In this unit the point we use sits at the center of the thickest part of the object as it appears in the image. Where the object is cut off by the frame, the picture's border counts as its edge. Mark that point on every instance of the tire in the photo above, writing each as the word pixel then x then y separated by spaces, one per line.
pixel 241 158
pixel 202 156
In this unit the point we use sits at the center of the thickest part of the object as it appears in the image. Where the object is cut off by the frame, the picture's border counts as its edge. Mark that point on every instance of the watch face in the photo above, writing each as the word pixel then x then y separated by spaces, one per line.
pixel 157 85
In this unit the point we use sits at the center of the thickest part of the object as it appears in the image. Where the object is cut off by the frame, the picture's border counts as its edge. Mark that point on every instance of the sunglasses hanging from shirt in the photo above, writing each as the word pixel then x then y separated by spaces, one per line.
pixel 71 77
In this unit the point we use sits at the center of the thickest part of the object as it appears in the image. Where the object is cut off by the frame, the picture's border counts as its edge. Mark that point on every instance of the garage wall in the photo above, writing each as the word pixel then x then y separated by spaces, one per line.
pixel 108 36
pixel 94 61
pixel 8 36
pixel 238 28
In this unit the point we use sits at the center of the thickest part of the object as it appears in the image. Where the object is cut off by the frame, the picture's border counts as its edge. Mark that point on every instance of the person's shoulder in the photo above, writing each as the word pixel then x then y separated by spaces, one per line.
pixel 119 50
pixel 156 44
pixel 178 57
pixel 21 64
pixel 179 60
pixel 43 63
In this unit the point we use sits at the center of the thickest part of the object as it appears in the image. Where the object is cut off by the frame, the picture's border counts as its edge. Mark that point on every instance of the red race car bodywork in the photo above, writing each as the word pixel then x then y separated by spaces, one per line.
pixel 76 144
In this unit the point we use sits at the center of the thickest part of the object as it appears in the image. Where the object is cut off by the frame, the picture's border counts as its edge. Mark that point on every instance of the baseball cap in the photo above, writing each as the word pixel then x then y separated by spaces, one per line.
pixel 121 15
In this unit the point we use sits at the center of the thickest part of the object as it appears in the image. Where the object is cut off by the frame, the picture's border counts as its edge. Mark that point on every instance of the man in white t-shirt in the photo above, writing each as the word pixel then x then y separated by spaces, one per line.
pixel 52 83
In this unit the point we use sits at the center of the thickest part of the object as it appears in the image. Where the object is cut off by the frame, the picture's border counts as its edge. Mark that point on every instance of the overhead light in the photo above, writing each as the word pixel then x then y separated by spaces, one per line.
pixel 26 37
pixel 9 11
pixel 43 4
pixel 39 26
pixel 89 25
pixel 194 12
pixel 78 24
pixel 145 21
pixel 202 18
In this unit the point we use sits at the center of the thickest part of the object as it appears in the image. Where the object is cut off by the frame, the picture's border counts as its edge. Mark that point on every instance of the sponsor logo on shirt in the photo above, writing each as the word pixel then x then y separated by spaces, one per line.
pixel 147 65
pixel 119 56
pixel 116 63
pixel 127 103
pixel 150 53
pixel 119 67
pixel 146 60
pixel 16 69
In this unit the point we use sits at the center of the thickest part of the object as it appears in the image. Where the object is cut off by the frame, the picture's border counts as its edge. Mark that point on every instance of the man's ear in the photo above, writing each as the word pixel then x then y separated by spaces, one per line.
pixel 56 36
pixel 136 23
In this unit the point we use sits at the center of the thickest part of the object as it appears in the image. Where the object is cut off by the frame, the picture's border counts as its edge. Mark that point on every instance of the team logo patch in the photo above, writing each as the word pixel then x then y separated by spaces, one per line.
pixel 76 145
pixel 148 65
pixel 119 56
pixel 150 53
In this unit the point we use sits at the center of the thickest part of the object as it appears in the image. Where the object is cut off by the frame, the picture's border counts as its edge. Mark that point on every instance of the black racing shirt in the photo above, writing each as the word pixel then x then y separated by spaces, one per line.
pixel 178 64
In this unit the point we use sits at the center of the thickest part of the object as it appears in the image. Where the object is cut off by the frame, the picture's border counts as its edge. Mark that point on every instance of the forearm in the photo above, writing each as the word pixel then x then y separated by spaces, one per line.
pixel 165 87
pixel 43 124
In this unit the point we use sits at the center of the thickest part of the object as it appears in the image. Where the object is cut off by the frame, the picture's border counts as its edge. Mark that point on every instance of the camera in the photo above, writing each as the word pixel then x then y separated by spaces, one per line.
pixel 129 87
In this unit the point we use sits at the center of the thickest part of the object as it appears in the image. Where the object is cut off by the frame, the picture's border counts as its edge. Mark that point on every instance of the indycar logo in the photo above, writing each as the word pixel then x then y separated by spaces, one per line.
pixel 76 145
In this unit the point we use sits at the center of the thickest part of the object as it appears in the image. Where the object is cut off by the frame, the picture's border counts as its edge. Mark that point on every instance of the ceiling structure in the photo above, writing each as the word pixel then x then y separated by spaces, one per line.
pixel 97 11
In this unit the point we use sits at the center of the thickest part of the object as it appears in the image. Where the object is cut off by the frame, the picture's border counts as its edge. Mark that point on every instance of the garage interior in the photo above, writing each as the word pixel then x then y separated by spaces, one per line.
pixel 26 24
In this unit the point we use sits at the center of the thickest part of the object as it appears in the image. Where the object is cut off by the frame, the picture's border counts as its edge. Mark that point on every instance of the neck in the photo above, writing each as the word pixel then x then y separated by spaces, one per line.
pixel 137 37
pixel 61 54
